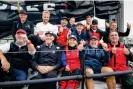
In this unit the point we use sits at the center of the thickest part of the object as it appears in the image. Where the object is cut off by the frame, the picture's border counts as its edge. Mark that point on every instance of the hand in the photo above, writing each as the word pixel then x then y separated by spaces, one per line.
pixel 5 65
pixel 62 10
pixel 61 29
pixel 88 27
pixel 107 25
pixel 67 68
pixel 105 47
pixel 114 50
pixel 42 69
pixel 126 51
pixel 49 68
pixel 25 38
pixel 82 42
pixel 40 32
pixel 128 26
pixel 80 47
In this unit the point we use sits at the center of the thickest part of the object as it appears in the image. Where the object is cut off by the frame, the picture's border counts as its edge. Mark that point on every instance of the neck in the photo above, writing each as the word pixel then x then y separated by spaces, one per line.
pixel 23 21
pixel 114 43
pixel 20 43
pixel 45 22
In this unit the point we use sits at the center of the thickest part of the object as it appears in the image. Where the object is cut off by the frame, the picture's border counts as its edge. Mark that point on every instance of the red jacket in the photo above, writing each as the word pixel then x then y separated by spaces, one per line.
pixel 72 59
pixel 62 37
pixel 118 61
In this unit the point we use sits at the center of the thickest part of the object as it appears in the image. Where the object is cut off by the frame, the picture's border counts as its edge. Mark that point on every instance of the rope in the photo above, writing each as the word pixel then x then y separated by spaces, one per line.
pixel 59 50
pixel 37 81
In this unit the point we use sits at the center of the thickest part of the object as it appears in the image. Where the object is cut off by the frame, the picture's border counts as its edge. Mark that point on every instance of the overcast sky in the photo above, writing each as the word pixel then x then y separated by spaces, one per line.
pixel 128 14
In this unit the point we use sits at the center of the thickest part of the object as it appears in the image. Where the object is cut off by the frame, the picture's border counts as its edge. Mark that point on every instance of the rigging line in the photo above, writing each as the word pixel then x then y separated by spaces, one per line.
pixel 58 50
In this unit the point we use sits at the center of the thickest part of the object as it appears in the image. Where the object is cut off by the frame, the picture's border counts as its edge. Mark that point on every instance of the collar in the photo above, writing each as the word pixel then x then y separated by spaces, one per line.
pixel 16 43
pixel 116 45
pixel 49 45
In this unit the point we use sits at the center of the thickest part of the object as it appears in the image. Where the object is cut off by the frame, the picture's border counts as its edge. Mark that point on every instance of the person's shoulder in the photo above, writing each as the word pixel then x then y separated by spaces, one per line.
pixel 30 22
pixel 40 23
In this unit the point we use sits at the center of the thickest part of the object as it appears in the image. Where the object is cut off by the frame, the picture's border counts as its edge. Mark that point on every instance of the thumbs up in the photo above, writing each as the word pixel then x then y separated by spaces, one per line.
pixel 128 26
pixel 126 51
pixel 114 50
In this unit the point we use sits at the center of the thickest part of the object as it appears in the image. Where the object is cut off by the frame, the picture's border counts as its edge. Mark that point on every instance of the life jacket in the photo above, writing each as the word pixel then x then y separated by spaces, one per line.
pixel 62 37
pixel 97 34
pixel 118 61
pixel 19 60
pixel 72 59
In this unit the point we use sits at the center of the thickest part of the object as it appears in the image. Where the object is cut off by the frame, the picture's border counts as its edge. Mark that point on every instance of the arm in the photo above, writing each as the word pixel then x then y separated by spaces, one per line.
pixel 14 30
pixel 3 49
pixel 63 59
pixel 32 28
pixel 127 31
pixel 124 33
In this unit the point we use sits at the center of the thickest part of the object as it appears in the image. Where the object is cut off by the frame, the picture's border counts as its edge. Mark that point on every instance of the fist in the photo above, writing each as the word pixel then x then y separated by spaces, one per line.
pixel 107 25
pixel 126 51
pixel 128 25
pixel 114 50
pixel 24 37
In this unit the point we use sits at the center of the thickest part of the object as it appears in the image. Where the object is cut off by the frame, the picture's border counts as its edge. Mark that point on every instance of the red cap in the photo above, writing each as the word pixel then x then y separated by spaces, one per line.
pixel 21 31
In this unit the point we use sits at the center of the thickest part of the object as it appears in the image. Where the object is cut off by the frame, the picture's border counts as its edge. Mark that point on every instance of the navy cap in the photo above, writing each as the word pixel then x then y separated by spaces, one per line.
pixel 94 21
pixel 23 12
pixel 51 33
pixel 93 37
pixel 72 36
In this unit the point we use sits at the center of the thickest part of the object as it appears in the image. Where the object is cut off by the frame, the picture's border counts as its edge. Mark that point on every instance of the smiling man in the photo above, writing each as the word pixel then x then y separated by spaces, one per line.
pixel 47 63
pixel 23 23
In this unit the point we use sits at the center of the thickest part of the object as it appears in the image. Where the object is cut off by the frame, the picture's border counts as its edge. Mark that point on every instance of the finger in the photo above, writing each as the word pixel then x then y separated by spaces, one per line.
pixel 114 46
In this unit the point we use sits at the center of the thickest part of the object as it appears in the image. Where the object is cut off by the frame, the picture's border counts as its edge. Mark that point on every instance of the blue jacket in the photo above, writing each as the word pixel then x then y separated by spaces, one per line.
pixel 82 36
pixel 95 56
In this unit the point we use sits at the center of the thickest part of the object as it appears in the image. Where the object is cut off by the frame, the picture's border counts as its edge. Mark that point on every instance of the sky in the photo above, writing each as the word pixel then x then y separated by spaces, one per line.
pixel 128 15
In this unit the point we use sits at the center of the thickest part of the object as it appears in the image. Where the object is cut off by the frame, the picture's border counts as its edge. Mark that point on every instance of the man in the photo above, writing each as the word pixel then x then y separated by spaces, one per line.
pixel 23 23
pixel 18 53
pixel 113 27
pixel 94 31
pixel 44 26
pixel 41 28
pixel 46 63
pixel 71 24
pixel 120 51
pixel 119 57
pixel 63 32
pixel 93 63
pixel 80 33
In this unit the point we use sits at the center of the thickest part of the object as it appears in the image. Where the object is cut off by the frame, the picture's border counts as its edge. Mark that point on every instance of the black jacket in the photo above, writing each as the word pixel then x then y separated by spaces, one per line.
pixel 20 60
pixel 50 57
pixel 27 26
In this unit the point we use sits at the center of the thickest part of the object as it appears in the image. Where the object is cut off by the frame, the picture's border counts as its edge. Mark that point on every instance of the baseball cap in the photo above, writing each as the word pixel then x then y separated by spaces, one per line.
pixel 72 36
pixel 94 21
pixel 50 32
pixel 64 18
pixel 23 12
pixel 21 31
pixel 93 37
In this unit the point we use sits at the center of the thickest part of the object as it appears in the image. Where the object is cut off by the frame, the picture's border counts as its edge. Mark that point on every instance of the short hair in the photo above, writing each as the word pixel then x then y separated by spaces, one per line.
pixel 113 22
pixel 46 12
pixel 88 17
pixel 113 31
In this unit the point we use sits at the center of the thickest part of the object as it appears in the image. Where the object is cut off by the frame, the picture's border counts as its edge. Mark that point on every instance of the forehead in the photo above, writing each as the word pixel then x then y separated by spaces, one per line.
pixel 113 33
pixel 46 15
pixel 93 39
pixel 48 35
pixel 72 39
